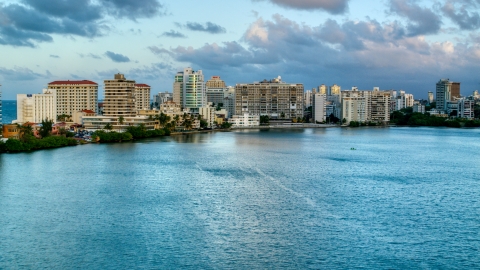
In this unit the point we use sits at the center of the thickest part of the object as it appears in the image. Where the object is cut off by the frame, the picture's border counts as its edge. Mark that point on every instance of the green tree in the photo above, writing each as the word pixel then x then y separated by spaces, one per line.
pixel 46 128
pixel 121 119
pixel 25 130
pixel 108 126
pixel 264 120
pixel 282 115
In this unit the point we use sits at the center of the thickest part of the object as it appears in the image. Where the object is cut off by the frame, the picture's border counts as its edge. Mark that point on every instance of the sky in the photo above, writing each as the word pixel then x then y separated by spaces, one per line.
pixel 392 44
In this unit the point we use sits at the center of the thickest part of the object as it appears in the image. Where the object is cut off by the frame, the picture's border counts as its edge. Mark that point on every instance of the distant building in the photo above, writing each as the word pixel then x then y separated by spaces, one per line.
pixel 34 108
pixel 466 108
pixel 189 89
pixel 379 106
pixel 335 90
pixel 215 82
pixel 419 108
pixel 403 100
pixel 10 131
pixel 119 97
pixel 307 99
pixel 430 97
pixel 142 96
pixel 162 98
pixel 73 96
pixel 245 120
pixel 208 114
pixel 77 116
pixel 446 91
pixel 319 108
pixel 323 90
pixel 274 98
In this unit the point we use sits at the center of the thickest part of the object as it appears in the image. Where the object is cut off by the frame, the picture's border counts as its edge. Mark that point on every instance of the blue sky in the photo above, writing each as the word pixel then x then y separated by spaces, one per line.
pixel 393 44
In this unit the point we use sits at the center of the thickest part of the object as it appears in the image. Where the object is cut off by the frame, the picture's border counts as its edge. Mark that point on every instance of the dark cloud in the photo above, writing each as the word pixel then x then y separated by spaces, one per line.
pixel 464 14
pixel 133 9
pixel 33 21
pixel 54 56
pixel 174 34
pixel 209 27
pixel 115 57
pixel 422 20
pixel 331 6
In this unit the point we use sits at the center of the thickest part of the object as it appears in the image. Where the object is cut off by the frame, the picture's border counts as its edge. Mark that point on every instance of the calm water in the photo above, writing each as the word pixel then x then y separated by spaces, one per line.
pixel 9 111
pixel 298 199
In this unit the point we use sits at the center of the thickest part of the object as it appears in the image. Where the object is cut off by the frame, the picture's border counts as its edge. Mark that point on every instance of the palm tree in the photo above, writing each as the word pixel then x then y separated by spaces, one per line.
pixel 121 120
pixel 188 124
pixel 108 126
pixel 25 130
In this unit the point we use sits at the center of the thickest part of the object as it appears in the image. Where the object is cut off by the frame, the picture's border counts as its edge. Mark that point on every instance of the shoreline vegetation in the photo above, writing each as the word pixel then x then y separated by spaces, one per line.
pixel 29 143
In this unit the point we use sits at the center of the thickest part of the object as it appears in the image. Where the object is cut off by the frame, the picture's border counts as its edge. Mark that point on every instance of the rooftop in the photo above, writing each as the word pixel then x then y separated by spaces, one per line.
pixel 73 82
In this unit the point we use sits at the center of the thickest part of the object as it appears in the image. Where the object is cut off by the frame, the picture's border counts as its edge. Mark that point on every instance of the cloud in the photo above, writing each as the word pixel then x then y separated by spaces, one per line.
pixel 30 22
pixel 54 56
pixel 159 51
pixel 90 55
pixel 364 53
pixel 464 15
pixel 115 57
pixel 209 27
pixel 331 6
pixel 422 20
pixel 20 74
pixel 174 34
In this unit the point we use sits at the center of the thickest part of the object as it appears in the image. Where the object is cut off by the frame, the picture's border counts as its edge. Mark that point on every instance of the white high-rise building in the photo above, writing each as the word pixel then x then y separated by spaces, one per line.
pixel 403 100
pixel 307 99
pixel 189 89
pixel 34 108
pixel 319 104
pixel 142 96
pixel 466 108
pixel 74 96
pixel 355 105
pixel 430 97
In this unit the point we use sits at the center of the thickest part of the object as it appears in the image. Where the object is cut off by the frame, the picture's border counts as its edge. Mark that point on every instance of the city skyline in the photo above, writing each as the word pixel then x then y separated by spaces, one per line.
pixel 396 44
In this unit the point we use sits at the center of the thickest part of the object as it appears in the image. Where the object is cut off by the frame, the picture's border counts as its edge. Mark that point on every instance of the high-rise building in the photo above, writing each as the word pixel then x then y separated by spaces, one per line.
pixel 189 89
pixel 379 106
pixel 142 96
pixel 274 98
pixel 430 97
pixel 335 90
pixel 403 100
pixel 119 97
pixel 74 96
pixel 445 92
pixel 215 82
pixel 319 103
pixel 34 108
pixel 323 89
pixel 307 99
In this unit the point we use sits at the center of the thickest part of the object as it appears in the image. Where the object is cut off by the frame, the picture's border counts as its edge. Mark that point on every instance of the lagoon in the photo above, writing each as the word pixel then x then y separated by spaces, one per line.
pixel 295 199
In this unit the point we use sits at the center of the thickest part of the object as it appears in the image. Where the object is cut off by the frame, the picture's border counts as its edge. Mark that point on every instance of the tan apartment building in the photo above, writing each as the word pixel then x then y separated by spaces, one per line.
pixel 142 96
pixel 274 98
pixel 74 96
pixel 119 97
pixel 215 82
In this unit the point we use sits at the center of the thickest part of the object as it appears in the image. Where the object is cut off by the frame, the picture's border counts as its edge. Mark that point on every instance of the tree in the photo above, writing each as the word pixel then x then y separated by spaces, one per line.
pixel 121 119
pixel 282 115
pixel 63 117
pixel 188 124
pixel 264 119
pixel 46 128
pixel 108 126
pixel 25 130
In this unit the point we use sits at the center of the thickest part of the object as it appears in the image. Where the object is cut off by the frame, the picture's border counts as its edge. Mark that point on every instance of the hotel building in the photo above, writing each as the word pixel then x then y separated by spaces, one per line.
pixel 446 91
pixel 34 108
pixel 74 96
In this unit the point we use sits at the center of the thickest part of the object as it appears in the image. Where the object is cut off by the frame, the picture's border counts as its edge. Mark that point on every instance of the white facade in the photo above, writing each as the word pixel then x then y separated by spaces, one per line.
pixel 37 107
pixel 419 108
pixel 245 120
pixel 466 108
pixel 319 108
pixel 355 105
pixel 307 99
pixel 208 114
pixel 189 89
pixel 98 122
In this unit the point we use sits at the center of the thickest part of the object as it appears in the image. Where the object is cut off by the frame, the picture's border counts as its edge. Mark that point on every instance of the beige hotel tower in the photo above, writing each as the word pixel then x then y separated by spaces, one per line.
pixel 119 97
